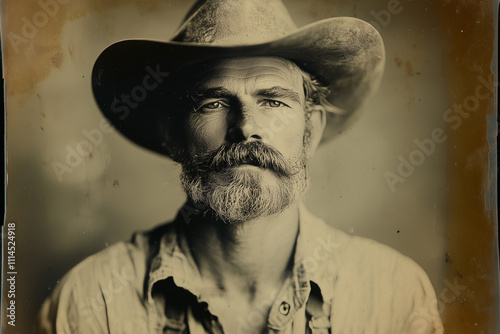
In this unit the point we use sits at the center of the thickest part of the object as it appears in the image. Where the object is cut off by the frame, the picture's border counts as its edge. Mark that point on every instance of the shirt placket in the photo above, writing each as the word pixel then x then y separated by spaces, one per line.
pixel 288 311
pixel 290 303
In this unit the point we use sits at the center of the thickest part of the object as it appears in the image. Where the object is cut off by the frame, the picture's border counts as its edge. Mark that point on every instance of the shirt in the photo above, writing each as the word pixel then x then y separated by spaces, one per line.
pixel 340 284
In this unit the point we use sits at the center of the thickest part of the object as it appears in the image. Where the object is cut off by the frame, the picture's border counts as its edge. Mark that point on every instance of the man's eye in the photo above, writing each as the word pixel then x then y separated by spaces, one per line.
pixel 212 106
pixel 274 104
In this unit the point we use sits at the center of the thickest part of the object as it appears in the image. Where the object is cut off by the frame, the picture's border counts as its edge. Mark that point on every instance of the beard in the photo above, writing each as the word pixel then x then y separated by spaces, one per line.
pixel 233 195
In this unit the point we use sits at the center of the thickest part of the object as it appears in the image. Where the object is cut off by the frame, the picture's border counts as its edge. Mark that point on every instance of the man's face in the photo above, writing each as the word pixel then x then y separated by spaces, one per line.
pixel 246 99
pixel 246 142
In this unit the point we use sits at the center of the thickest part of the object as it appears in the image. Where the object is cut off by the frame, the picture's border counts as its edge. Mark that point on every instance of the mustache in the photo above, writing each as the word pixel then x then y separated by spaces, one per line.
pixel 236 154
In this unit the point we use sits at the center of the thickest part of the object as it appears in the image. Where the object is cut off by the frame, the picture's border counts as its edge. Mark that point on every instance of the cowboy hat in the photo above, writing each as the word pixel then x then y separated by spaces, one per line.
pixel 345 54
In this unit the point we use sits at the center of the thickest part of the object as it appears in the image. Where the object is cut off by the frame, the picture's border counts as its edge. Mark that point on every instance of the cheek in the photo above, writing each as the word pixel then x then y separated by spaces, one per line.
pixel 291 139
pixel 207 132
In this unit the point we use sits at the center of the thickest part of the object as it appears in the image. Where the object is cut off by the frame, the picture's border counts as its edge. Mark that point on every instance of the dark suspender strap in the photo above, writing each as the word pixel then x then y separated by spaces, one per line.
pixel 176 303
pixel 209 322
pixel 176 320
pixel 317 321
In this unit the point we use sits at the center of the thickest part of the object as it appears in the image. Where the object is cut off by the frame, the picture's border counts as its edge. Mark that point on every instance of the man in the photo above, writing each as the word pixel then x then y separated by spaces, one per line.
pixel 241 98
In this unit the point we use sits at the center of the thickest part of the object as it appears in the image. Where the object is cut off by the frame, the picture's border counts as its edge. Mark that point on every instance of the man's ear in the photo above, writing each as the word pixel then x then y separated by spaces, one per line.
pixel 318 123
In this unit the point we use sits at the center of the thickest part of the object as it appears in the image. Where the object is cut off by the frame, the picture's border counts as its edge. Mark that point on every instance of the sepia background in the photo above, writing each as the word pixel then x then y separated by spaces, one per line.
pixel 438 214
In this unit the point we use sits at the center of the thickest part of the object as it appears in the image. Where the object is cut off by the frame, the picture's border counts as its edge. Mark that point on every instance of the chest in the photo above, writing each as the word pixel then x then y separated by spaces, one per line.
pixel 237 315
pixel 229 316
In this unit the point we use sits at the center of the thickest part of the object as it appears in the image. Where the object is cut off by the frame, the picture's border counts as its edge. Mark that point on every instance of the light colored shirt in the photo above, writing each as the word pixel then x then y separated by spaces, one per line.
pixel 152 285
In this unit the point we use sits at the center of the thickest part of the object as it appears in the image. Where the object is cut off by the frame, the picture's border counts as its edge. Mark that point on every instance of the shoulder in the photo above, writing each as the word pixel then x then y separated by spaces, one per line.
pixel 380 268
pixel 351 253
pixel 387 286
pixel 82 300
pixel 123 262
pixel 369 281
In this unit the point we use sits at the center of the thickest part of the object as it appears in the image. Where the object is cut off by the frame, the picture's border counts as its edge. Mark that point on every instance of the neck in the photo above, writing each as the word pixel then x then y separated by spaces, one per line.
pixel 248 256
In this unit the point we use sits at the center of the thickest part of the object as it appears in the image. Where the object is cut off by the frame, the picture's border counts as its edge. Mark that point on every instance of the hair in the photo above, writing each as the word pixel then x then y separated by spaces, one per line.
pixel 315 92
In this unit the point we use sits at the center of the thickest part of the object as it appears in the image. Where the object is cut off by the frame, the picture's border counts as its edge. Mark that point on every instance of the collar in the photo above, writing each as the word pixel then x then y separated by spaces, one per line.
pixel 314 261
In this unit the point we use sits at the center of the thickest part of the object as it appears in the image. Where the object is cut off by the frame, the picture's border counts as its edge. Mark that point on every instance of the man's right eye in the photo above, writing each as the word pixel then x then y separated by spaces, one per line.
pixel 212 106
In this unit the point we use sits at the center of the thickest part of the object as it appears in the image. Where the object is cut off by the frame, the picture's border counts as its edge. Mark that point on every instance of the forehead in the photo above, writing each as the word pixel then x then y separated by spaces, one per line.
pixel 255 70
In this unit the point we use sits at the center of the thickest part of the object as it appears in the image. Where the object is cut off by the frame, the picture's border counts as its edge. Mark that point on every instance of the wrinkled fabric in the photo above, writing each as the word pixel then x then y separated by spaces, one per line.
pixel 152 285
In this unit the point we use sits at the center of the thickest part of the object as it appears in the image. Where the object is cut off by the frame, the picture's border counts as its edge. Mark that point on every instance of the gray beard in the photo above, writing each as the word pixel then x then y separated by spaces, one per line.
pixel 238 196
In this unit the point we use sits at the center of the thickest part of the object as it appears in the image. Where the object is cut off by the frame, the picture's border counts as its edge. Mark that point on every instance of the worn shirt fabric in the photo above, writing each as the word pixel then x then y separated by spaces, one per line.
pixel 152 285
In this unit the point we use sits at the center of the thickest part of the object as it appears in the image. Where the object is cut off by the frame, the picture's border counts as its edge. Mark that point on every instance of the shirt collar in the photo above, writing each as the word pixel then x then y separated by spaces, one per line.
pixel 312 260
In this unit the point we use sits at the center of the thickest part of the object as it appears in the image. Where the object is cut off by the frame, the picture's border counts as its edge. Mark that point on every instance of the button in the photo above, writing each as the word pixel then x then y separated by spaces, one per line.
pixel 285 308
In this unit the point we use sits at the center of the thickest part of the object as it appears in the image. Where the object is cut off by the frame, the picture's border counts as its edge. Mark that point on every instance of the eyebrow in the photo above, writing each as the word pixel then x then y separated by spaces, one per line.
pixel 213 92
pixel 273 92
pixel 279 92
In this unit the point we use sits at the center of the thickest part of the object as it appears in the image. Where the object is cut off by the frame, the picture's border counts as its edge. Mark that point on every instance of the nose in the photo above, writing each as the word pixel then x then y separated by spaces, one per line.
pixel 248 125
pixel 250 130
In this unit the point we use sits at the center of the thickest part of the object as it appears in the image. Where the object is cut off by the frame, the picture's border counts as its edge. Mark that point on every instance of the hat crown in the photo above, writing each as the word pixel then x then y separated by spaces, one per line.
pixel 235 22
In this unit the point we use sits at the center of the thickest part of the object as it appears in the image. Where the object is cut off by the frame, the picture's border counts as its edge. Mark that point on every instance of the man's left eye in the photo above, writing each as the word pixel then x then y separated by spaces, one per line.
pixel 274 104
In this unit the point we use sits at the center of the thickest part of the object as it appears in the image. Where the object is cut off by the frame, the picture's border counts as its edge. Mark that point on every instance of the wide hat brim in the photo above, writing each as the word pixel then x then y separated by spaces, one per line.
pixel 346 54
